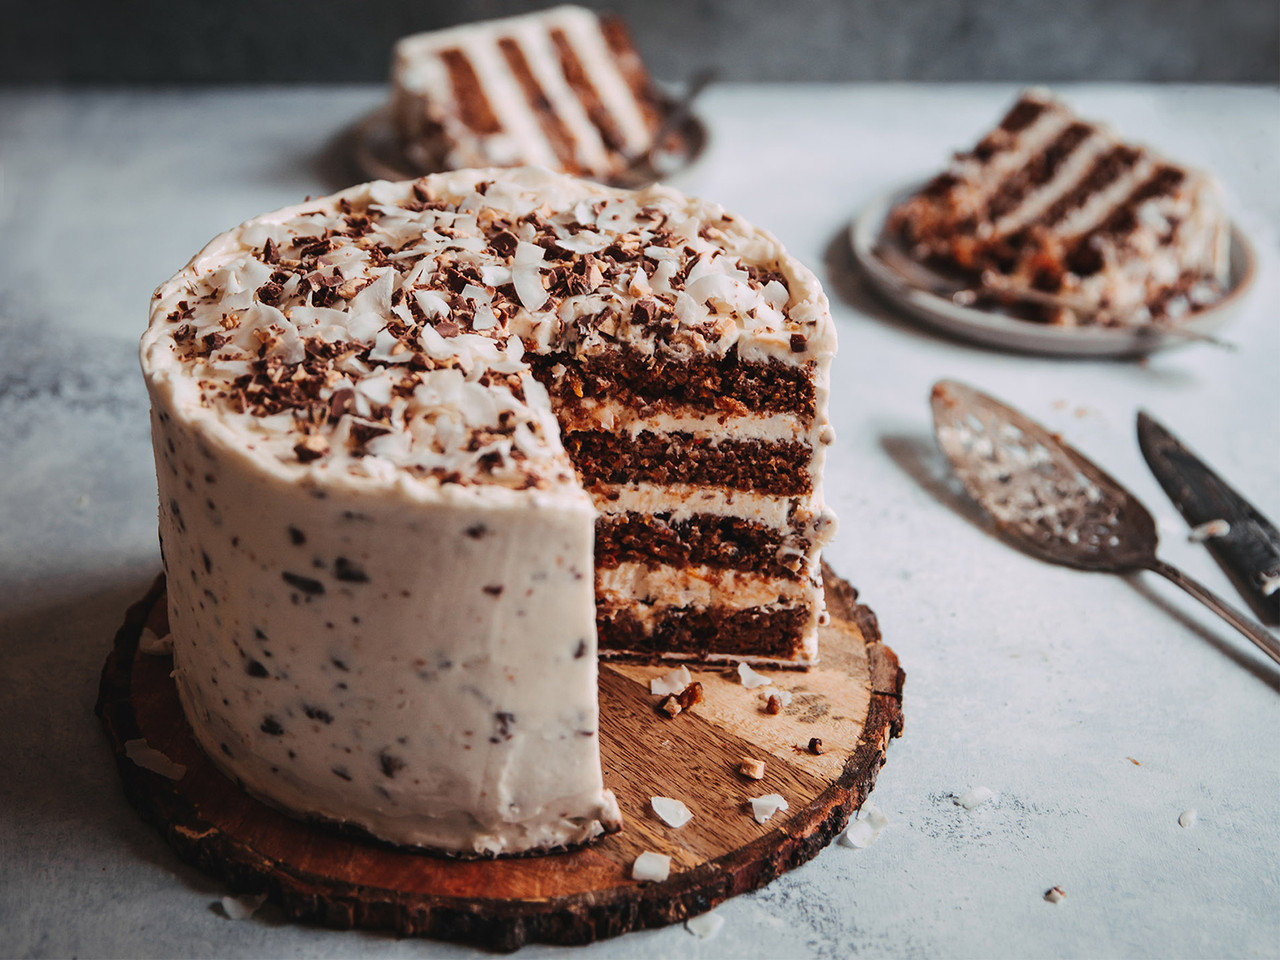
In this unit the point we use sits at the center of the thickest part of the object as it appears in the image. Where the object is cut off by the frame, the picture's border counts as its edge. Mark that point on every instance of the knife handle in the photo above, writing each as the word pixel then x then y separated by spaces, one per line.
pixel 1267 643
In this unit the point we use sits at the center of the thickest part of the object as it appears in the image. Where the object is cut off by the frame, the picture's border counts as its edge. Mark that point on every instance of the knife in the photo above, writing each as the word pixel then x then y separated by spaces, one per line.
pixel 1249 550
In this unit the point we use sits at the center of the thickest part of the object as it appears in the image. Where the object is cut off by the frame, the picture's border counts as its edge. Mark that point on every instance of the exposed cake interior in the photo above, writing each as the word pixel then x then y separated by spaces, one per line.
pixel 387 425
pixel 1049 202
pixel 563 87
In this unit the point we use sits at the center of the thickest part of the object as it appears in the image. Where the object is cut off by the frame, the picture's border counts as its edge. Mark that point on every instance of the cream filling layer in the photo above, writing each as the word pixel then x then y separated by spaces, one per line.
pixel 648 591
pixel 683 501
pixel 620 418
pixel 1072 171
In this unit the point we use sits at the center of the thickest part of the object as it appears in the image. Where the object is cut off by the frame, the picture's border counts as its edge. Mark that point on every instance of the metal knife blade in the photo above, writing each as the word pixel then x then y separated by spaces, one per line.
pixel 1250 551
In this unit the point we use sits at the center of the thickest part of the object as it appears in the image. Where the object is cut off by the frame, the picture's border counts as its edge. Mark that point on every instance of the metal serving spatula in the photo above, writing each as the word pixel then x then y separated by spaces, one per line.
pixel 1053 502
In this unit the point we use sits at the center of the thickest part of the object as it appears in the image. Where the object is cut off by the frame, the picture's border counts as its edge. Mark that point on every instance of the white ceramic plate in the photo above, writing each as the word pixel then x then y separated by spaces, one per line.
pixel 378 156
pixel 908 289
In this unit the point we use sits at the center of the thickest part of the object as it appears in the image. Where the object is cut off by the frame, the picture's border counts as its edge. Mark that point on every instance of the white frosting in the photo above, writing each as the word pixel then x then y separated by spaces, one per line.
pixel 424 99
pixel 379 559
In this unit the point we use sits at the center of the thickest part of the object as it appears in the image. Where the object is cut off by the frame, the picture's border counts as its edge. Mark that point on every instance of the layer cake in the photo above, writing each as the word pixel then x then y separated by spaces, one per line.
pixel 1101 231
pixel 396 431
pixel 564 88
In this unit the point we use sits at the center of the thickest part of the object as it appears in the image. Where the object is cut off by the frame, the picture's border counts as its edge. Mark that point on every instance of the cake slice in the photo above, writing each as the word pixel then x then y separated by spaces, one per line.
pixel 425 448
pixel 564 88
pixel 1051 203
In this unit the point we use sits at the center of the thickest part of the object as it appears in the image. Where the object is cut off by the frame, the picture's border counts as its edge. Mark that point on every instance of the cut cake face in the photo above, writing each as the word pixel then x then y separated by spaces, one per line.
pixel 419 444
pixel 1049 202
pixel 563 88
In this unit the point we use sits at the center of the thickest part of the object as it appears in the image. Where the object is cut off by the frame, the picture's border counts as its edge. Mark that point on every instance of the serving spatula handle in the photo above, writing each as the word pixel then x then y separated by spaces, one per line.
pixel 1265 641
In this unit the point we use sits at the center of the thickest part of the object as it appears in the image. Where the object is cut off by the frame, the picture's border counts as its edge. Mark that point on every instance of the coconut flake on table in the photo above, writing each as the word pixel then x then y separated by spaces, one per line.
pixel 149 758
pixel 1055 894
pixel 762 808
pixel 864 829
pixel 975 797
pixel 1270 583
pixel 671 812
pixel 673 681
pixel 1209 530
pixel 150 643
pixel 242 908
pixel 1187 818
pixel 783 696
pixel 704 926
pixel 651 866
pixel 750 679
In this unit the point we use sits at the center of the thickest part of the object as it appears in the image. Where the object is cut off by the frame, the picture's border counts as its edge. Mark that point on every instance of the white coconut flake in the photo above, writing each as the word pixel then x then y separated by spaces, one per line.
pixel 149 758
pixel 1187 818
pixel 975 797
pixel 864 829
pixel 750 679
pixel 242 908
pixel 651 866
pixel 527 278
pixel 485 319
pixel 705 926
pixel 671 682
pixel 153 645
pixel 671 812
pixel 762 808
pixel 1209 530
pixel 1270 583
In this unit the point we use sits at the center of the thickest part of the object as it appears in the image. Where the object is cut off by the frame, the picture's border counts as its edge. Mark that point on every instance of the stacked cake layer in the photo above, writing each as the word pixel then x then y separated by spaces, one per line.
pixel 563 88
pixel 1052 203
pixel 387 425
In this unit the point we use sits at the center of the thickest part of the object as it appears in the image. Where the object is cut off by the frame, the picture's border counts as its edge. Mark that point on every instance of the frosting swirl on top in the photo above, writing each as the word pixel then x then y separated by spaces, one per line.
pixel 380 333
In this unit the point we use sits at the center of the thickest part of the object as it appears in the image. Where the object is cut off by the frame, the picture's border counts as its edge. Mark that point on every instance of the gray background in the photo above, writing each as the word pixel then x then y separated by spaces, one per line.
pixel 144 42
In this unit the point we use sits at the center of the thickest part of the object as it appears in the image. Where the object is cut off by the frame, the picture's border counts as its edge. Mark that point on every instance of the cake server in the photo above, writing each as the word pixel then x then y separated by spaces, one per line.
pixel 1053 502
pixel 1248 545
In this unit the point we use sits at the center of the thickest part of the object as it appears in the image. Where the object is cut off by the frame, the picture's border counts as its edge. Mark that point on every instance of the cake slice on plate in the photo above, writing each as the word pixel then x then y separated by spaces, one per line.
pixel 564 88
pixel 1051 203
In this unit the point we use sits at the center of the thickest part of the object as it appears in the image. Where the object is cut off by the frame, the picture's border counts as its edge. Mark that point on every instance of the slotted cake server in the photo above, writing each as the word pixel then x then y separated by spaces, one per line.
pixel 1053 502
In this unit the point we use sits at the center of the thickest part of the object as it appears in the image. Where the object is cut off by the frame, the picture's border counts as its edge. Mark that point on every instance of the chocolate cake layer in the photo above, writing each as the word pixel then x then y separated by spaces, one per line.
pixel 772 632
pixel 576 75
pixel 708 539
pixel 706 384
pixel 1109 167
pixel 473 106
pixel 1038 171
pixel 553 127
pixel 781 469
pixel 1084 257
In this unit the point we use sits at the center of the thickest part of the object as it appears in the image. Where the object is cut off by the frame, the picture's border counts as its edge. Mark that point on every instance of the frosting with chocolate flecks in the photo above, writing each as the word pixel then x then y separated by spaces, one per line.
pixel 383 330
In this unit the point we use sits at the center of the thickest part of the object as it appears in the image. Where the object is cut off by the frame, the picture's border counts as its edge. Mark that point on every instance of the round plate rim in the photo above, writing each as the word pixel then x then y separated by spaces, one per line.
pixel 1000 330
pixel 374 129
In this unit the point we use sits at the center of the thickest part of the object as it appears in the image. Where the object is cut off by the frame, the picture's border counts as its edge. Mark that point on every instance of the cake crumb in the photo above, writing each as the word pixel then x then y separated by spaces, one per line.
pixel 815 746
pixel 671 682
pixel 690 695
pixel 244 907
pixel 1136 763
pixel 651 866
pixel 671 707
pixel 1209 530
pixel 672 812
pixel 773 704
pixel 975 797
pixel 1055 894
pixel 705 926
pixel 763 808
pixel 149 758
pixel 751 679
pixel 865 827
pixel 751 769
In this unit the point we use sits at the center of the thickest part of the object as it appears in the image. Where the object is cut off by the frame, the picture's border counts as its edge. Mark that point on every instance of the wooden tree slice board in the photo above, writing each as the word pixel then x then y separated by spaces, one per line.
pixel 851 701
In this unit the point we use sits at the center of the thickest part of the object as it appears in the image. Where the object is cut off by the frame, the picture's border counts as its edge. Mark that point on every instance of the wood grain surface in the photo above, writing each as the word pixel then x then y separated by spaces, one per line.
pixel 851 701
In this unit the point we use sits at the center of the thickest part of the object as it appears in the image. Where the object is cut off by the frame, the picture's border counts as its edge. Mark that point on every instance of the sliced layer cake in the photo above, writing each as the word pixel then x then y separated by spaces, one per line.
pixel 387 425
pixel 1048 202
pixel 563 88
